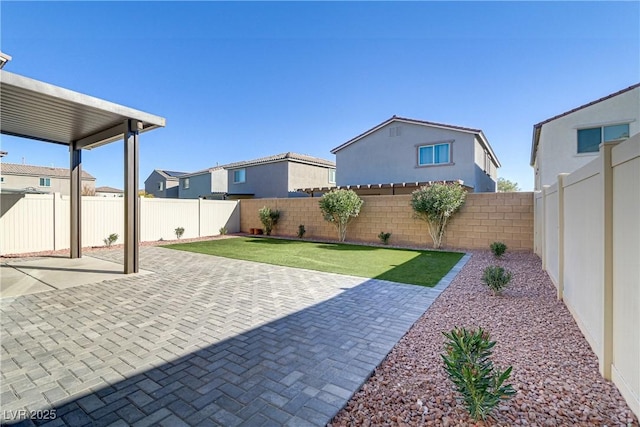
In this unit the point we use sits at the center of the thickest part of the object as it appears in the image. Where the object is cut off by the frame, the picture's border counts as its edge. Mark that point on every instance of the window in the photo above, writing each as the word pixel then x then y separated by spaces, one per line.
pixel 185 183
pixel 487 163
pixel 332 176
pixel 239 176
pixel 160 186
pixel 436 154
pixel 589 140
pixel 45 182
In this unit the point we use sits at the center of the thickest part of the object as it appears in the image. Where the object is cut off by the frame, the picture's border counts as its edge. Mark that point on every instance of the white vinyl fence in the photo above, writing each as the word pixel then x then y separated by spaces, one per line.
pixel 40 222
pixel 587 232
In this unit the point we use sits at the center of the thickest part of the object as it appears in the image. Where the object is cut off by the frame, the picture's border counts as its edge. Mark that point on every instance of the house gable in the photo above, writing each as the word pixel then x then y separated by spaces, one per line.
pixel 396 151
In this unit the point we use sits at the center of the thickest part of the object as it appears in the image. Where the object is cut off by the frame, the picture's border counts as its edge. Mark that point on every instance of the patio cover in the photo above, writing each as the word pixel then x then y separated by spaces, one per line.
pixel 41 111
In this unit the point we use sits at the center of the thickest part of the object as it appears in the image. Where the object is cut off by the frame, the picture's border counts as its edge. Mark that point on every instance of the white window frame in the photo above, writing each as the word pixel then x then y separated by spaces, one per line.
pixel 185 183
pixel 435 144
pixel 160 186
pixel 244 176
pixel 332 173
pixel 602 139
pixel 45 182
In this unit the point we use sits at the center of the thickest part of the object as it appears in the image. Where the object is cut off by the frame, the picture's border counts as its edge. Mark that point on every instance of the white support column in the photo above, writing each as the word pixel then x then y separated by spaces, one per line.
pixel 131 202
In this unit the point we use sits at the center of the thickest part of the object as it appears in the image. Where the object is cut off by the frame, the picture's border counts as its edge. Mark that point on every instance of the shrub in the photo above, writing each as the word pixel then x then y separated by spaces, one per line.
pixel 268 218
pixel 301 231
pixel 340 207
pixel 467 361
pixel 223 231
pixel 435 204
pixel 498 249
pixel 384 237
pixel 110 240
pixel 179 232
pixel 497 278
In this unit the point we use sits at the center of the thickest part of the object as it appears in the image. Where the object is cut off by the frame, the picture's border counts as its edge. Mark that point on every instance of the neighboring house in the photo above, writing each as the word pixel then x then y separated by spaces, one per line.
pixel 209 184
pixel 401 150
pixel 41 179
pixel 163 183
pixel 109 192
pixel 570 140
pixel 274 176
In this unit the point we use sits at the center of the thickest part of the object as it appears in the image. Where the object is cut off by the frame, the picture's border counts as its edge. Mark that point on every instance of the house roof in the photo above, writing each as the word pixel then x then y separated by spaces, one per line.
pixel 300 158
pixel 394 118
pixel 107 189
pixel 45 171
pixel 538 126
pixel 293 157
pixel 170 175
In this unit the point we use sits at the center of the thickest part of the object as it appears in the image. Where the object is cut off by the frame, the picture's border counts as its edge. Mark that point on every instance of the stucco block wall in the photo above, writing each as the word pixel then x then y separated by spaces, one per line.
pixel 379 158
pixel 485 218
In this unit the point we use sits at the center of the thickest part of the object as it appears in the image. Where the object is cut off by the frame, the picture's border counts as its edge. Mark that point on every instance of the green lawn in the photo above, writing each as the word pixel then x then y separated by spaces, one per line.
pixel 416 267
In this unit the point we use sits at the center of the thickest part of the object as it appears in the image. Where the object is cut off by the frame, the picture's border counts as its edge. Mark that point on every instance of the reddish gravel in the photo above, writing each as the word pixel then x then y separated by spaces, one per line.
pixel 555 372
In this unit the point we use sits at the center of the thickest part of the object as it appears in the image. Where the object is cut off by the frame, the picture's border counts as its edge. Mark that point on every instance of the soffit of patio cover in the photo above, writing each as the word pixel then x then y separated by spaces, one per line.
pixel 36 110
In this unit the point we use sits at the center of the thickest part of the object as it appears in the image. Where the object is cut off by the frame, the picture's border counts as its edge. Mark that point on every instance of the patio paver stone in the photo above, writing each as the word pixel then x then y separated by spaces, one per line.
pixel 201 340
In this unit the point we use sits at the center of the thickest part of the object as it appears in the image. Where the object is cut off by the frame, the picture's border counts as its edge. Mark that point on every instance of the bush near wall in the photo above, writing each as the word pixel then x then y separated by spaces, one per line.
pixel 484 218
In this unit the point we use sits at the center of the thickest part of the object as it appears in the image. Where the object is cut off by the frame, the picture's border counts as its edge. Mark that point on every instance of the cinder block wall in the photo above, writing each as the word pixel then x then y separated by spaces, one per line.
pixel 485 218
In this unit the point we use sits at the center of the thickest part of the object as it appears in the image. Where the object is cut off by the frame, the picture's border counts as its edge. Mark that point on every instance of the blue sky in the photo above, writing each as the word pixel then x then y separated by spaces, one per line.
pixel 237 81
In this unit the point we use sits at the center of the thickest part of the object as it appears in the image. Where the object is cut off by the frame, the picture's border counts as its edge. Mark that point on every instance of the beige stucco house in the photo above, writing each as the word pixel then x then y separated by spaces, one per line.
pixel 570 140
pixel 401 150
pixel 41 179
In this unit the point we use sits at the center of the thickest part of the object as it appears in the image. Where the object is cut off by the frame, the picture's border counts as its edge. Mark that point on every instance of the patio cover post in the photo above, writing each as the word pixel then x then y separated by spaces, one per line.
pixel 131 203
pixel 76 200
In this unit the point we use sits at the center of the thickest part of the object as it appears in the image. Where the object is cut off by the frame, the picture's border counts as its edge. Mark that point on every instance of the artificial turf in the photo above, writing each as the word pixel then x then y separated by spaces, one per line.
pixel 417 267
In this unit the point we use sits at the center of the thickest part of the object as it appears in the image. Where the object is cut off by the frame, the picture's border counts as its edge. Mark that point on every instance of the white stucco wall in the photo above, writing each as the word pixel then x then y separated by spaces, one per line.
pixel 558 146
pixel 380 158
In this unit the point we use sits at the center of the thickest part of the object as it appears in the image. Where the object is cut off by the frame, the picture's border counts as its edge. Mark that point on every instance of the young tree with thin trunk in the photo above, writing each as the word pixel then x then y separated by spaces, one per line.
pixel 340 207
pixel 435 204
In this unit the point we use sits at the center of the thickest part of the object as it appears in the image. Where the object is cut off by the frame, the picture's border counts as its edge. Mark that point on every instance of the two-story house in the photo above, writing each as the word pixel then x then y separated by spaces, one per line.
pixel 401 150
pixel 572 139
pixel 41 179
pixel 163 183
pixel 273 176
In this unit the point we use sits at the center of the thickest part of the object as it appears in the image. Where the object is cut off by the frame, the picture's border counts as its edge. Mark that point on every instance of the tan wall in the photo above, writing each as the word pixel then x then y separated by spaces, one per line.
pixel 40 222
pixel 485 218
pixel 589 235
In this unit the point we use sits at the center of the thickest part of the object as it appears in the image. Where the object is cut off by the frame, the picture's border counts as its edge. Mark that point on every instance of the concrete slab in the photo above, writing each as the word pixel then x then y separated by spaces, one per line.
pixel 45 274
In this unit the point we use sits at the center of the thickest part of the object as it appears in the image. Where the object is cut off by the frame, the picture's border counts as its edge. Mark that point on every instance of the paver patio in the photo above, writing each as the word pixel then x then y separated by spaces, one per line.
pixel 201 340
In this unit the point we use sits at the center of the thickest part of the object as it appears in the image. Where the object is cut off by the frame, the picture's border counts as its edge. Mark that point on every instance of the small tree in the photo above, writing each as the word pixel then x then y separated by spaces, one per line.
pixel 110 240
pixel 435 204
pixel 268 218
pixel 339 207
pixel 506 186
pixel 179 232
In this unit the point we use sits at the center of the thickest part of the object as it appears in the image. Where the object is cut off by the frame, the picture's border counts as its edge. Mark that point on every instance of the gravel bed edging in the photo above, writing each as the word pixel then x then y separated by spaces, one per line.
pixel 555 372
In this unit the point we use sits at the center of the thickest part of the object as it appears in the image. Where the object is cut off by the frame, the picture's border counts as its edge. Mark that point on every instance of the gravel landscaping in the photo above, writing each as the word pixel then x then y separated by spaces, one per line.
pixel 555 372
